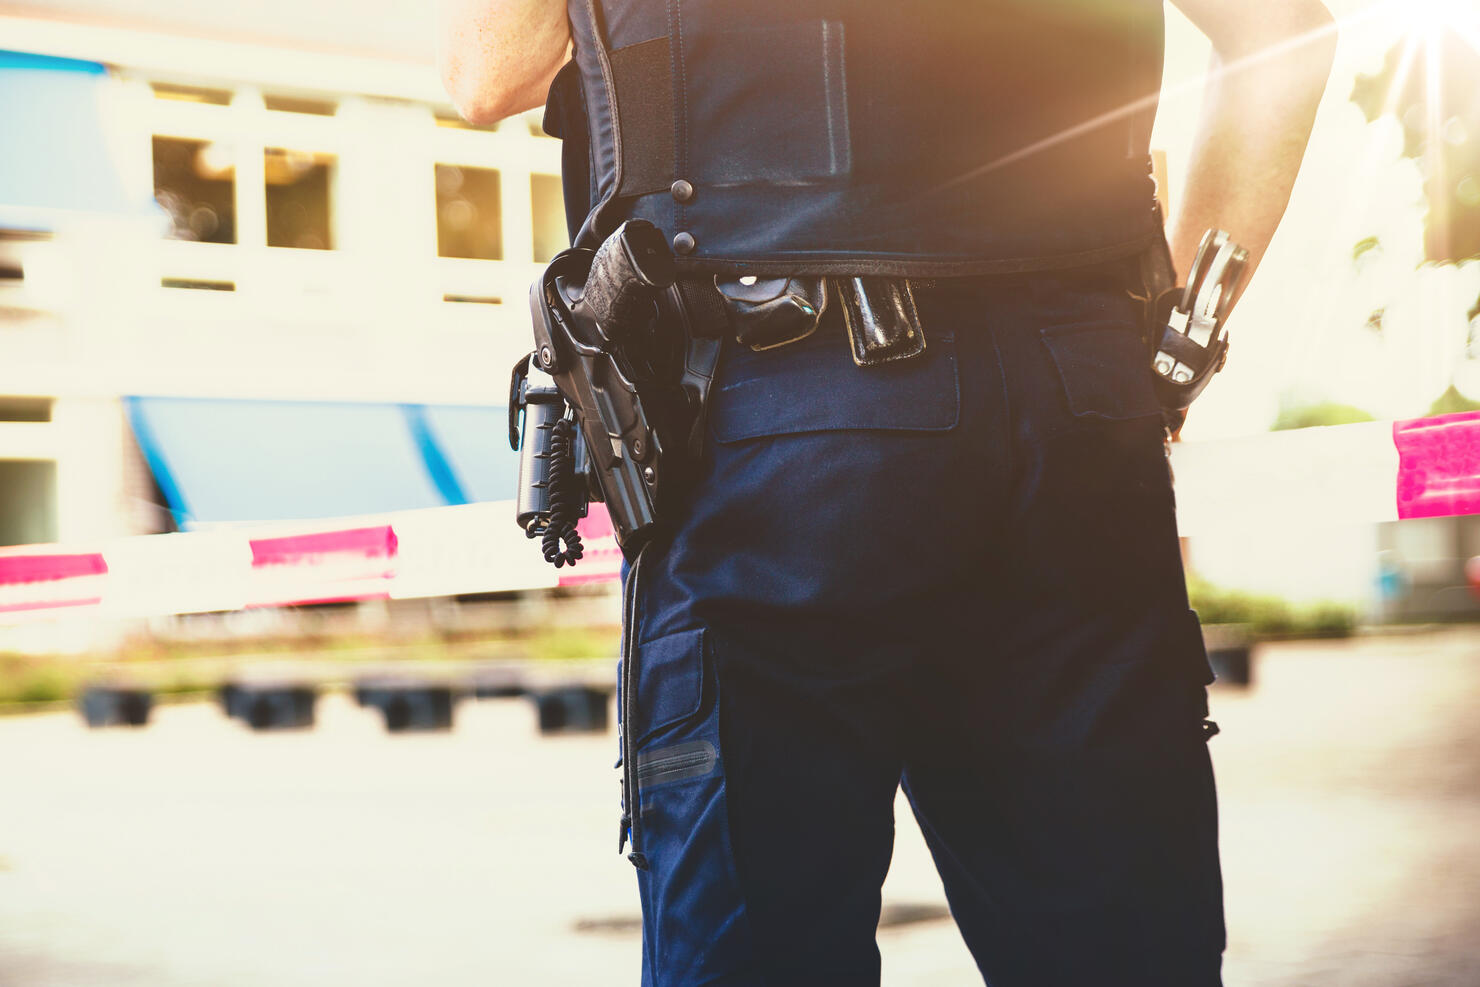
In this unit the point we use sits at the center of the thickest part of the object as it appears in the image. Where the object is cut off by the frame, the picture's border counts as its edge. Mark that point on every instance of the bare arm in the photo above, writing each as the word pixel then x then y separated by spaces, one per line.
pixel 1271 59
pixel 498 57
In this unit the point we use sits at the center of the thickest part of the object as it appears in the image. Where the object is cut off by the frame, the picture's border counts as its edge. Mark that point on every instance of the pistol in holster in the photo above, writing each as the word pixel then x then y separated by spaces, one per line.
pixel 607 407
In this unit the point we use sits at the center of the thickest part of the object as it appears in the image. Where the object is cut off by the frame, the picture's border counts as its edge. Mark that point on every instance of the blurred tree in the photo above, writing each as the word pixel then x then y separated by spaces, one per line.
pixel 1430 82
pixel 1451 401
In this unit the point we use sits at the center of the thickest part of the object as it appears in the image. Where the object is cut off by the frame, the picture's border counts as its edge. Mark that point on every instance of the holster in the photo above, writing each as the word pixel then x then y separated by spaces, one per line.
pixel 621 340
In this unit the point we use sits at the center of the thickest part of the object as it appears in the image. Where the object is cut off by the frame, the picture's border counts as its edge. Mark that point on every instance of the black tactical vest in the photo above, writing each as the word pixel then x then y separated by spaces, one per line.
pixel 903 137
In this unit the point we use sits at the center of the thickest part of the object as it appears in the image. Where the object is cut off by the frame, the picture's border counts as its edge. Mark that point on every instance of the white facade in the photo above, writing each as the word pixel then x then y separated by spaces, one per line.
pixel 109 307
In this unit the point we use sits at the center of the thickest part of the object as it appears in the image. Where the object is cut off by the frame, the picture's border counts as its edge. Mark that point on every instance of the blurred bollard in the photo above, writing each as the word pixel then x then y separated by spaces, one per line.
pixel 107 706
pixel 230 696
pixel 370 692
pixel 504 684
pixel 1230 653
pixel 572 709
pixel 423 708
pixel 270 706
pixel 408 705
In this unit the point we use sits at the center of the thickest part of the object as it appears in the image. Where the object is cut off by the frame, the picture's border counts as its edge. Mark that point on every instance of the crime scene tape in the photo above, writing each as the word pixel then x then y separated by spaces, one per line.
pixel 1343 474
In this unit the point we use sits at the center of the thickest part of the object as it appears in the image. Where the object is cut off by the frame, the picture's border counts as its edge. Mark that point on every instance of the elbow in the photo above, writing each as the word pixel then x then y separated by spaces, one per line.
pixel 477 96
pixel 498 91
pixel 482 107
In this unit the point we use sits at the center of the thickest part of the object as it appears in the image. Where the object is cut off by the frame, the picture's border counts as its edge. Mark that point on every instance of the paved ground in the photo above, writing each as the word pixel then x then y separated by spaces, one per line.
pixel 193 853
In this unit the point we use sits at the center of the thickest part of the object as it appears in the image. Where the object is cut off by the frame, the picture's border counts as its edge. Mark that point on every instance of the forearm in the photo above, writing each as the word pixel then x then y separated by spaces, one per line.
pixel 1258 108
pixel 498 57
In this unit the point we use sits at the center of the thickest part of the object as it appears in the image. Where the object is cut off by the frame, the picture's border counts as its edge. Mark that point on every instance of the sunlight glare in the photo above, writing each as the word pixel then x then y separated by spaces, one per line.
pixel 1432 15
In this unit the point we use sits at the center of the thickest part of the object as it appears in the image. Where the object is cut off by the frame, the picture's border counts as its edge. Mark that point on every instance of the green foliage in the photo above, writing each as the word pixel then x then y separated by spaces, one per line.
pixel 572 643
pixel 1325 413
pixel 1452 401
pixel 24 679
pixel 1430 82
pixel 45 685
pixel 1269 616
pixel 170 669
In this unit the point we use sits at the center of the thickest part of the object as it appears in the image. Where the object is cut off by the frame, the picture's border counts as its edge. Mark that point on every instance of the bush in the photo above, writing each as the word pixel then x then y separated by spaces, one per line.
pixel 1269 616
pixel 35 682
pixel 574 643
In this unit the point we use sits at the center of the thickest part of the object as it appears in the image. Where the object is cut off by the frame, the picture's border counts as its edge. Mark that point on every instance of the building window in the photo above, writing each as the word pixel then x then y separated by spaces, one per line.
pixel 25 409
pixel 299 104
pixel 28 502
pixel 547 201
pixel 190 94
pixel 469 214
pixel 298 207
pixel 195 182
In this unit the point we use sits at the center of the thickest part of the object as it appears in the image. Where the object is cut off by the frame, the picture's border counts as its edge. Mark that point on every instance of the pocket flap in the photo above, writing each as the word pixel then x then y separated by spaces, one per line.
pixel 813 386
pixel 670 681
pixel 1104 368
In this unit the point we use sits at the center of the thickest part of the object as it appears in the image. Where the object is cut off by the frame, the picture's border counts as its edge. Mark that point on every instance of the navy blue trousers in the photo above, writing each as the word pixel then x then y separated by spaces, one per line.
pixel 959 574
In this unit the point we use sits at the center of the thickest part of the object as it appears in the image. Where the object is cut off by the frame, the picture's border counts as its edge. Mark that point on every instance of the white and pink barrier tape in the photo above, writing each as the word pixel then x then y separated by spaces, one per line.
pixel 1346 474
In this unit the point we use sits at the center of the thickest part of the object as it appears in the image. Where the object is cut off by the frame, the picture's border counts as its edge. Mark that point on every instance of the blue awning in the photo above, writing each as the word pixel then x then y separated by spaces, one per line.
pixel 53 155
pixel 221 460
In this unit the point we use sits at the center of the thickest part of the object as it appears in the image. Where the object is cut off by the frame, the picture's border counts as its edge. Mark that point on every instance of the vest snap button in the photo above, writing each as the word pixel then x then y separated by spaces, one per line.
pixel 682 191
pixel 683 243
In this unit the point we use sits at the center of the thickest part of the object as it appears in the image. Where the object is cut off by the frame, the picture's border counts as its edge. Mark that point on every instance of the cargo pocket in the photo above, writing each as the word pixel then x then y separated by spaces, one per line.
pixel 860 449
pixel 1104 370
pixel 694 921
pixel 1097 491
pixel 670 684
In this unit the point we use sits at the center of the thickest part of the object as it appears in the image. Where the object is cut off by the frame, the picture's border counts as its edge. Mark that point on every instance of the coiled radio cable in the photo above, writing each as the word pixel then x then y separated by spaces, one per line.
pixel 561 542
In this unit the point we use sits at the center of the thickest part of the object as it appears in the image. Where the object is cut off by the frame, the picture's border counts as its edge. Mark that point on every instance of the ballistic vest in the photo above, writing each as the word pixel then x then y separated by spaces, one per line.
pixel 899 137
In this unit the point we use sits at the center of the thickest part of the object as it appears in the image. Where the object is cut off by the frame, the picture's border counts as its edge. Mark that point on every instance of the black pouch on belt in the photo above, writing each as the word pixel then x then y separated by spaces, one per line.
pixel 771 312
pixel 883 323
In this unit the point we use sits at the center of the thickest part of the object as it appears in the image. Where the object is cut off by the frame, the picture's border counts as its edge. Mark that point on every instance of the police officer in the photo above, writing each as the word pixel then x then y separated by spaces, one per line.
pixel 957 570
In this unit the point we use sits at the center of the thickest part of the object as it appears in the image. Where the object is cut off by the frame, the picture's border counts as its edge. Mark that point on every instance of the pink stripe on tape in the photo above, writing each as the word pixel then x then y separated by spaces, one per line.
pixel 602 561
pixel 46 582
pixel 82 601
pixel 45 568
pixel 1438 465
pixel 378 542
pixel 596 524
pixel 342 598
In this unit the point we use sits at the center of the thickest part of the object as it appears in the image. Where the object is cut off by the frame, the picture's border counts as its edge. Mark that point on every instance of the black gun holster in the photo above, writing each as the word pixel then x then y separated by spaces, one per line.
pixel 620 417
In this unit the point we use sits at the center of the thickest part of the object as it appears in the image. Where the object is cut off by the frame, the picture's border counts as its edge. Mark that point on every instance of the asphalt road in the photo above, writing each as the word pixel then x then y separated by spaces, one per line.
pixel 194 853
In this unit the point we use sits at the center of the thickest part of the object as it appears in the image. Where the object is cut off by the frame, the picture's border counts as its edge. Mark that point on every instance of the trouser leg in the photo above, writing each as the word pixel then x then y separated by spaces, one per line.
pixel 1064 785
pixel 774 624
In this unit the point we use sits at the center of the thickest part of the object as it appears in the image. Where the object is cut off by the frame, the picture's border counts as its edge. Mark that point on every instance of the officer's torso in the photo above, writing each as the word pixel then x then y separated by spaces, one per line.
pixel 933 137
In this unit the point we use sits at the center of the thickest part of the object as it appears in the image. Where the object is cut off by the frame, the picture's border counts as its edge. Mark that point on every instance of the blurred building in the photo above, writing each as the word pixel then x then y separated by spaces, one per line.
pixel 252 267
